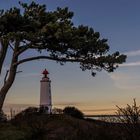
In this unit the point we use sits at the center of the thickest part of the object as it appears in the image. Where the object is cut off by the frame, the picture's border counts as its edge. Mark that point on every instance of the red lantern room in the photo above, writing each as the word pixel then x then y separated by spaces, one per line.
pixel 45 73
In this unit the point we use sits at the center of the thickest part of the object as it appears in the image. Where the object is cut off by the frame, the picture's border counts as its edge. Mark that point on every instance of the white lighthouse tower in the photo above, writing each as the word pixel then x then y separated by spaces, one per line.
pixel 45 93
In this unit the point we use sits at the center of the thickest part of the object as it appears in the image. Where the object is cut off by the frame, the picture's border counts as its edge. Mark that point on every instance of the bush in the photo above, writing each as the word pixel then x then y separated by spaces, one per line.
pixel 74 112
pixel 29 110
pixel 3 117
pixel 130 117
pixel 57 111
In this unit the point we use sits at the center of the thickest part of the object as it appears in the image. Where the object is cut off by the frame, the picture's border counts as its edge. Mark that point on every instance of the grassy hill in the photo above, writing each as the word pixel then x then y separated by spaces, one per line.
pixel 58 127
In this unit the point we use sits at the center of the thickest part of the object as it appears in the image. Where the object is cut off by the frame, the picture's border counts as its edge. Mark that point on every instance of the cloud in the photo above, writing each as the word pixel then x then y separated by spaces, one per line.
pixel 19 107
pixel 67 103
pixel 99 110
pixel 130 64
pixel 126 81
pixel 120 76
pixel 133 53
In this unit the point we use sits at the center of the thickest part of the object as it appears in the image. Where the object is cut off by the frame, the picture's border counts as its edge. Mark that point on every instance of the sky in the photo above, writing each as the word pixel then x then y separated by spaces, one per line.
pixel 119 22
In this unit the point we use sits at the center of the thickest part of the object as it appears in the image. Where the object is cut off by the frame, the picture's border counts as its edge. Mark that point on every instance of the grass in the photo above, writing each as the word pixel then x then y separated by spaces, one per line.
pixel 59 127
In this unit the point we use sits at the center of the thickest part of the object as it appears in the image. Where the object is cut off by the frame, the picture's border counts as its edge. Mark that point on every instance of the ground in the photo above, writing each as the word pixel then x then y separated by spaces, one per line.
pixel 58 127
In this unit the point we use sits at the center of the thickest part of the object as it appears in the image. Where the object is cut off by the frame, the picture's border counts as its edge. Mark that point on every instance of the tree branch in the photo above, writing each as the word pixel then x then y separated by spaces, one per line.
pixel 5 78
pixel 3 51
pixel 49 58
pixel 11 46
pixel 9 81
pixel 22 49
pixel 28 46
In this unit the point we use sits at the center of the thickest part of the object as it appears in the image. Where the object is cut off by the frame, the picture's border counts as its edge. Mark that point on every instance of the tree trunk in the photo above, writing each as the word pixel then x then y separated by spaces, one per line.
pixel 3 51
pixel 7 85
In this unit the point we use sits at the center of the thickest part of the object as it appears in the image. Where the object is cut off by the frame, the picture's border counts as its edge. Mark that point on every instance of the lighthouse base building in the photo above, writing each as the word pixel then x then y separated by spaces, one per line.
pixel 45 93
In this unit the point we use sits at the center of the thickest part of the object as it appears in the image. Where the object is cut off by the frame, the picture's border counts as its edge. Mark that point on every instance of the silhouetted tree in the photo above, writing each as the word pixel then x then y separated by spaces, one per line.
pixel 35 28
pixel 130 117
pixel 74 112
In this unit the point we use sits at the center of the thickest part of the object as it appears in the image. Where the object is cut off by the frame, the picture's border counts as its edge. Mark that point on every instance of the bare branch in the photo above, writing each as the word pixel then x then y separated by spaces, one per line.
pixel 22 49
pixel 18 71
pixel 5 78
pixel 11 46
pixel 49 58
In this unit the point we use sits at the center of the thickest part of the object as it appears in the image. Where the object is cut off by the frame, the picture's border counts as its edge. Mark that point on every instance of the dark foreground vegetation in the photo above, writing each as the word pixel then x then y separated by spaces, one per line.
pixel 58 127
pixel 30 124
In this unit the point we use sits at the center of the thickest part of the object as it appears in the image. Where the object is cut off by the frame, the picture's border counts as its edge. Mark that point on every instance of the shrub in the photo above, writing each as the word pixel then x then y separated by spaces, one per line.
pixel 29 110
pixel 130 117
pixel 3 117
pixel 74 112
pixel 57 111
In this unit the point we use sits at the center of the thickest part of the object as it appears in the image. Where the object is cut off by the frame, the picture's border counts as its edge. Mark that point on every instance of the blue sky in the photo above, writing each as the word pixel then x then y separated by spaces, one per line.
pixel 119 22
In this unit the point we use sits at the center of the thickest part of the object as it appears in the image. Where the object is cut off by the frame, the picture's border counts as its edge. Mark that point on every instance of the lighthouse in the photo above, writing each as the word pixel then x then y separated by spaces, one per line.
pixel 45 93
